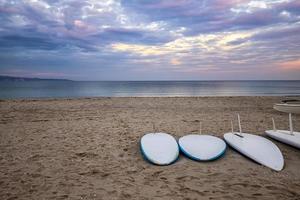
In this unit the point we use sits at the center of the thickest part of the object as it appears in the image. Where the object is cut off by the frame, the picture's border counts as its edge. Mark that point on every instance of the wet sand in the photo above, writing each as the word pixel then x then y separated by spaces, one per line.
pixel 89 149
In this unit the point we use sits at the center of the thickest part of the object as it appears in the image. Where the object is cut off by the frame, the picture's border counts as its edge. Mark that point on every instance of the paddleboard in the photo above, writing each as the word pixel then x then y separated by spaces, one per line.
pixel 202 147
pixel 285 137
pixel 257 148
pixel 159 148
pixel 287 107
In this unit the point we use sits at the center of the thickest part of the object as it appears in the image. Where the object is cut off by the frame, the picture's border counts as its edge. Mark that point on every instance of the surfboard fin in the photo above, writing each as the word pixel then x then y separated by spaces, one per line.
pixel 239 134
pixel 200 127
pixel 291 124
pixel 274 127
pixel 240 127
pixel 153 127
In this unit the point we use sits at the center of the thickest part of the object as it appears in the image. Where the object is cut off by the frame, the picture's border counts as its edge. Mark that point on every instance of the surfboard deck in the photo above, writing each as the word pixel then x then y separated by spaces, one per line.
pixel 257 148
pixel 159 148
pixel 285 137
pixel 287 107
pixel 202 147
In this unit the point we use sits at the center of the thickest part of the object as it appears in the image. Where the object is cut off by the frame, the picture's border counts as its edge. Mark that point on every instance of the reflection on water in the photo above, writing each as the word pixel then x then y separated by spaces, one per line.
pixel 50 89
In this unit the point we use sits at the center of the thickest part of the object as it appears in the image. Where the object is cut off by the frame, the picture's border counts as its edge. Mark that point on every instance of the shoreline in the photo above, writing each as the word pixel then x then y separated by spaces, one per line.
pixel 88 148
pixel 134 97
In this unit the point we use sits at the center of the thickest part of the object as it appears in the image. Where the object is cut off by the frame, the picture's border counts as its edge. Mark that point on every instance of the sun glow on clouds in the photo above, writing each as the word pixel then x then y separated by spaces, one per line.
pixel 208 42
pixel 175 61
pixel 189 55
pixel 290 65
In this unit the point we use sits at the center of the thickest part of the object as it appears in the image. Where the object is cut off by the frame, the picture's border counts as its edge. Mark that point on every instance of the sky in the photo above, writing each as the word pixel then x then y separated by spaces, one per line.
pixel 151 40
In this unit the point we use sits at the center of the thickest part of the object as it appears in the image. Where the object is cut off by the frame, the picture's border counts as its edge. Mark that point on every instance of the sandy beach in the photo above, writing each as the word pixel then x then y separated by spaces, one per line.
pixel 89 149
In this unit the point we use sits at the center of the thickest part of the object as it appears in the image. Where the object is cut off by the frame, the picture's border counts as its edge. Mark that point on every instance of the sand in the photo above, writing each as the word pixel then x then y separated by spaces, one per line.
pixel 89 149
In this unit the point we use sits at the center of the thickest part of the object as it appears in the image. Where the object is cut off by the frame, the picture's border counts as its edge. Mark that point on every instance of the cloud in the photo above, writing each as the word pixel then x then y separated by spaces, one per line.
pixel 213 16
pixel 151 37
pixel 175 61
pixel 27 42
pixel 203 43
pixel 290 65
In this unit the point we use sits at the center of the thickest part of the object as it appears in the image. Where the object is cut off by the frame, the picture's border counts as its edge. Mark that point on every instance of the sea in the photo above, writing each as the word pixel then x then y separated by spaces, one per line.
pixel 79 89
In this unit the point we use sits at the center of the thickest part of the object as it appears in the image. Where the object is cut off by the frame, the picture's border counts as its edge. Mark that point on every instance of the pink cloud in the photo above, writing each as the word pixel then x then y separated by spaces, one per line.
pixel 290 65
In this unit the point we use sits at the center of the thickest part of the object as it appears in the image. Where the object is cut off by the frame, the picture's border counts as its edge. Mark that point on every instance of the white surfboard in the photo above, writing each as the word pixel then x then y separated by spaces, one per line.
pixel 255 147
pixel 287 107
pixel 285 137
pixel 289 137
pixel 159 148
pixel 202 147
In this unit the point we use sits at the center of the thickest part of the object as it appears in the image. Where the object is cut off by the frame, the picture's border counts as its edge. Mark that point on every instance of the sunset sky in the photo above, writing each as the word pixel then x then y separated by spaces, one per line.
pixel 150 40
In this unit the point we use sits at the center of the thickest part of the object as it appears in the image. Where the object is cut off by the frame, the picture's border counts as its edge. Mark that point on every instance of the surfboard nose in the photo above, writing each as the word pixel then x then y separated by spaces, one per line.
pixel 279 166
pixel 275 162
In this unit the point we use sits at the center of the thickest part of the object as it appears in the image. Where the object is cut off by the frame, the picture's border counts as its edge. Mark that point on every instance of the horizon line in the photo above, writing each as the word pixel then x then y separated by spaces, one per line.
pixel 66 79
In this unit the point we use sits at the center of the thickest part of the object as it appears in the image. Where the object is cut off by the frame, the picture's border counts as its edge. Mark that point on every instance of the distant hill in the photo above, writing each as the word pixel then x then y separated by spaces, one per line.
pixel 11 78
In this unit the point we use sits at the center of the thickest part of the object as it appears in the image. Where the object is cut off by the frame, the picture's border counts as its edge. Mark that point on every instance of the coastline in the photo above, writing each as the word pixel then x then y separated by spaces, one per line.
pixel 88 148
pixel 279 97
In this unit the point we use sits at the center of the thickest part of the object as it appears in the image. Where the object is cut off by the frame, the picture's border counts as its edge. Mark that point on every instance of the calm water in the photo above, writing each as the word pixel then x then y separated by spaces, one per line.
pixel 54 89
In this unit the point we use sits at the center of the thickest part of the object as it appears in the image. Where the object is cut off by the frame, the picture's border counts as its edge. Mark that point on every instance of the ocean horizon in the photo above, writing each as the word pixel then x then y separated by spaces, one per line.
pixel 78 89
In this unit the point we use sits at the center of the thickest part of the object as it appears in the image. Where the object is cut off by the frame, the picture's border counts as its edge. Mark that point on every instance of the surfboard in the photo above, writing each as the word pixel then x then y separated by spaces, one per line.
pixel 285 137
pixel 290 137
pixel 287 107
pixel 202 147
pixel 257 148
pixel 159 148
